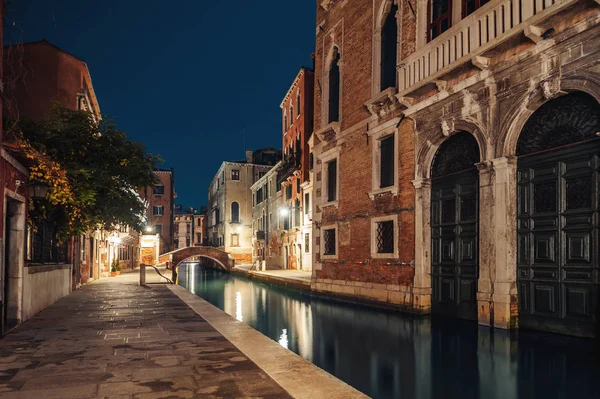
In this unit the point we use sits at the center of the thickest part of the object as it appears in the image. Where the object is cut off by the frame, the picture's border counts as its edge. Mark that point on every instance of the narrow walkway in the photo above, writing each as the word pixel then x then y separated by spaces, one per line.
pixel 115 339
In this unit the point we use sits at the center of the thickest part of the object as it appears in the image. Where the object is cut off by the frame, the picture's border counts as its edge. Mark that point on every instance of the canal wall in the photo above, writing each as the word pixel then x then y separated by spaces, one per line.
pixel 294 284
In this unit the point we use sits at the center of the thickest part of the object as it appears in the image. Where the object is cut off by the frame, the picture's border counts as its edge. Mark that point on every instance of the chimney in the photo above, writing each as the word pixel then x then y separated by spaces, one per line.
pixel 249 156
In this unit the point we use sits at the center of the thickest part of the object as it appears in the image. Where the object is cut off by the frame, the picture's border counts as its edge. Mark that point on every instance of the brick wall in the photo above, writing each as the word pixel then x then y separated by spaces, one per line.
pixel 356 273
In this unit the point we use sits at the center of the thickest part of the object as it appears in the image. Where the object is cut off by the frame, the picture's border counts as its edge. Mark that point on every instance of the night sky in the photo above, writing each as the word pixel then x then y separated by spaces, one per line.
pixel 184 77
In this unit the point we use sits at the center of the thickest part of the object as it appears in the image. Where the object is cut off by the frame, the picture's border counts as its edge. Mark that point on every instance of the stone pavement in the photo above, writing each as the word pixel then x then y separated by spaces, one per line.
pixel 115 339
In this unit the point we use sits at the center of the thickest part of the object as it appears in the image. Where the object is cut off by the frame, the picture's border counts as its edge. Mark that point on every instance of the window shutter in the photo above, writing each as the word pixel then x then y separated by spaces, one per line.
pixel 387 162
pixel 331 180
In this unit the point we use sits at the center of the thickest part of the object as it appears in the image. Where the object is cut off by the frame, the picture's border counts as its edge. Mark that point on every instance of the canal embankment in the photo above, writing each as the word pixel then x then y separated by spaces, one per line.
pixel 300 378
pixel 279 278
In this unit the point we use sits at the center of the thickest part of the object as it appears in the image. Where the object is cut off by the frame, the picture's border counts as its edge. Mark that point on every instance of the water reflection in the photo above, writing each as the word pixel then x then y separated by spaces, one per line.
pixel 390 355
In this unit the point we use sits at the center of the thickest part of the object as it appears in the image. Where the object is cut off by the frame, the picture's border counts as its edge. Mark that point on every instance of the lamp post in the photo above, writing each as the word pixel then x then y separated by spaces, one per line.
pixel 37 190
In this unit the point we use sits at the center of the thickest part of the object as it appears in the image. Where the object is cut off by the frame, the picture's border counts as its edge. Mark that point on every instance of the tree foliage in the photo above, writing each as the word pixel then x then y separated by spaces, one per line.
pixel 93 171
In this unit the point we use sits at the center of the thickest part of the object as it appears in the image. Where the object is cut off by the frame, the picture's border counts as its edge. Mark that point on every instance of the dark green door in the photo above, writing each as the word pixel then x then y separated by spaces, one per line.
pixel 455 228
pixel 557 217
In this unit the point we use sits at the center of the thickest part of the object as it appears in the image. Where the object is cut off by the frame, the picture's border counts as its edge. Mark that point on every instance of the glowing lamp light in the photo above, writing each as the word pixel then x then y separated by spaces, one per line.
pixel 284 211
pixel 149 229
pixel 239 229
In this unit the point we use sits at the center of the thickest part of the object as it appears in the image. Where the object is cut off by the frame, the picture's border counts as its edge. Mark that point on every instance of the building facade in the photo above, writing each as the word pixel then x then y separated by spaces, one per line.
pixel 494 107
pixel 267 223
pixel 230 202
pixel 190 228
pixel 297 121
pixel 161 206
pixel 363 149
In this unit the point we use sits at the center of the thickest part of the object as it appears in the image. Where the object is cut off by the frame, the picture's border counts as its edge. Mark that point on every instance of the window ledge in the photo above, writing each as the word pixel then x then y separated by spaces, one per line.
pixel 377 255
pixel 329 257
pixel 383 103
pixel 392 189
pixel 330 203
pixel 331 128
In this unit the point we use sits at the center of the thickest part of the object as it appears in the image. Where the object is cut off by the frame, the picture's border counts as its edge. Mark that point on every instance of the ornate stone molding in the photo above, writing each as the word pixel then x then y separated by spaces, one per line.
pixel 333 127
pixel 551 88
pixel 447 127
pixel 383 103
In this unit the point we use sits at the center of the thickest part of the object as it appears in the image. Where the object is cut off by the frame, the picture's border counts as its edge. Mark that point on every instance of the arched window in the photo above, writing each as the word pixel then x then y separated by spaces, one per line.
pixel 285 120
pixel 298 107
pixel 291 114
pixel 334 88
pixel 389 49
pixel 235 212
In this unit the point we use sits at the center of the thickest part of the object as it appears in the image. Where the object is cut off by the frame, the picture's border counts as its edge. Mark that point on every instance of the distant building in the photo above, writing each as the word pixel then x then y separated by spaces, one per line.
pixel 297 122
pixel 230 202
pixel 161 203
pixel 267 224
pixel 190 227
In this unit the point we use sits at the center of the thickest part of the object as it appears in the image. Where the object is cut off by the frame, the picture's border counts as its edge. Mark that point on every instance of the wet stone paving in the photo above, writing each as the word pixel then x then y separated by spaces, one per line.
pixel 115 339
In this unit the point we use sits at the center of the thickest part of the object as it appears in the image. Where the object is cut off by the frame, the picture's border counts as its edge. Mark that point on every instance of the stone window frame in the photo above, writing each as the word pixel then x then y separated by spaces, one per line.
pixel 337 242
pixel 384 131
pixel 374 222
pixel 325 80
pixel 238 239
pixel 238 174
pixel 377 30
pixel 326 157
pixel 298 99
pixel 159 207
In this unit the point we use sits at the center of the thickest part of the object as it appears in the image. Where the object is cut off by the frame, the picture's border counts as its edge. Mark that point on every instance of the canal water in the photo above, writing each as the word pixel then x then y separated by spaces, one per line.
pixel 391 355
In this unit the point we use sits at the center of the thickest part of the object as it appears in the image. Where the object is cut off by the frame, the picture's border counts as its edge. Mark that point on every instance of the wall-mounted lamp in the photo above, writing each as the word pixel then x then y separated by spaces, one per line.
pixel 37 190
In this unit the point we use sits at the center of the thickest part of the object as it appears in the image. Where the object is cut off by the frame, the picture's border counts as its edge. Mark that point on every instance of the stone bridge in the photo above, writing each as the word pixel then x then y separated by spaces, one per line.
pixel 177 256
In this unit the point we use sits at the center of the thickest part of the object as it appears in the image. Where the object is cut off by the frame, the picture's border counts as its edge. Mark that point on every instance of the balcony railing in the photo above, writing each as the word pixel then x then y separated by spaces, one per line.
pixel 479 32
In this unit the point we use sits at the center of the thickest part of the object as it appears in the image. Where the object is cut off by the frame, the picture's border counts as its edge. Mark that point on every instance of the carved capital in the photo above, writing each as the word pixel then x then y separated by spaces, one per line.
pixel 383 104
pixel 551 88
pixel 447 127
pixel 421 183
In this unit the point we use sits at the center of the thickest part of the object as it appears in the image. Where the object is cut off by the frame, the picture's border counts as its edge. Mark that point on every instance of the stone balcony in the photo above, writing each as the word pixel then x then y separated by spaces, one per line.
pixel 473 38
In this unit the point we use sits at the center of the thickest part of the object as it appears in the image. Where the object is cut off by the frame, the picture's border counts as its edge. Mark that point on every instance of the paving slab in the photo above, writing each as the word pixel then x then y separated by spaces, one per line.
pixel 115 339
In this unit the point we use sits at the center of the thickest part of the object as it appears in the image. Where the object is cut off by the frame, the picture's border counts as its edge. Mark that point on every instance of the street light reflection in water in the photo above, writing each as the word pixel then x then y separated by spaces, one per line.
pixel 391 355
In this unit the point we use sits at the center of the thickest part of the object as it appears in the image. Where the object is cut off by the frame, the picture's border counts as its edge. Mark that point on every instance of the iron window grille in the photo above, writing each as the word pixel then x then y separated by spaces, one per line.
pixel 329 242
pixel 385 237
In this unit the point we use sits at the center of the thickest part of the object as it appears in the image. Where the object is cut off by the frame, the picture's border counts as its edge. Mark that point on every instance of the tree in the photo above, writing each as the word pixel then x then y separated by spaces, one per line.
pixel 93 170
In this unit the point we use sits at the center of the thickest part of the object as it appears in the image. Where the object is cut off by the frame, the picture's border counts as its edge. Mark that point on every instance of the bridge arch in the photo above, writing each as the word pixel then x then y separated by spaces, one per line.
pixel 221 258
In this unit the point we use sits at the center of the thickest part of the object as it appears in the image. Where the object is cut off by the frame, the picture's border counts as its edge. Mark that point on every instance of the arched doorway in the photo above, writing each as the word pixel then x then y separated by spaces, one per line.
pixel 455 227
pixel 557 216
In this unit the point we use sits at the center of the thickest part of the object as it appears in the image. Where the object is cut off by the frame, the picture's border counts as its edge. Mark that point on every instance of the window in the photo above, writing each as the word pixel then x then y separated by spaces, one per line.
pixel 291 114
pixel 217 216
pixel 306 203
pixel 261 174
pixel 187 241
pixel 288 192
pixel 296 213
pixel 307 242
pixel 332 180
pixel 266 190
pixel 334 88
pixel 386 167
pixel 235 212
pixel 441 17
pixel 468 6
pixel 298 104
pixel 311 161
pixel 285 120
pixel 384 237
pixel 188 228
pixel 235 240
pixel 158 229
pixel 259 195
pixel 329 242
pixel 158 189
pixel 124 253
pixel 235 174
pixel 254 199
pixel 389 49
pixel 158 210
pixel 286 221
pixel 297 186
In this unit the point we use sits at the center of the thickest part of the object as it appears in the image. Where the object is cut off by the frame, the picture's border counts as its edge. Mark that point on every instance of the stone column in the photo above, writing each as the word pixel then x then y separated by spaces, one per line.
pixel 504 288
pixel 422 282
pixel 487 258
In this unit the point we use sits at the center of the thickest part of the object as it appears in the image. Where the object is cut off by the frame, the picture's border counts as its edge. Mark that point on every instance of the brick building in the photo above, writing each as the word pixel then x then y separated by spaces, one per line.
pixel 230 202
pixel 494 110
pixel 160 199
pixel 293 175
pixel 363 150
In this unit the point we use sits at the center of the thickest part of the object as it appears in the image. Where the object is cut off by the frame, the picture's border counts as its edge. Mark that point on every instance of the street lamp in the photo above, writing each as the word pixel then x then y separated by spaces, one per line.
pixel 149 229
pixel 37 190
pixel 284 211
pixel 239 229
